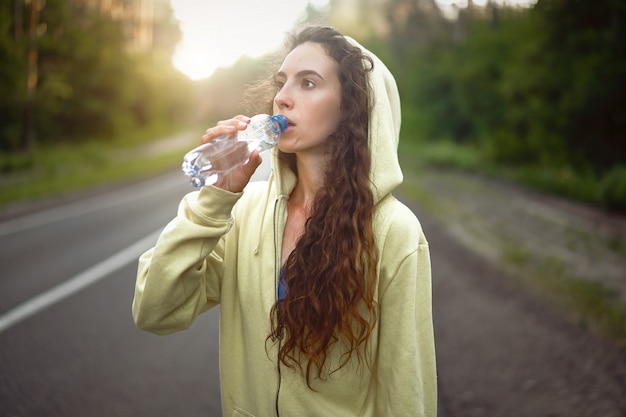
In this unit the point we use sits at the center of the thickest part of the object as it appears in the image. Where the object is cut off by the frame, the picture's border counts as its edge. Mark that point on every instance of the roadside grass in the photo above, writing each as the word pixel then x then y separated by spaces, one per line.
pixel 593 306
pixel 590 304
pixel 606 191
pixel 66 168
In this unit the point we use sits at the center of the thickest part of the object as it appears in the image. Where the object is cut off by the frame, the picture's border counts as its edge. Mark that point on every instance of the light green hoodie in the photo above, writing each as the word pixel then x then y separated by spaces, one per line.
pixel 224 248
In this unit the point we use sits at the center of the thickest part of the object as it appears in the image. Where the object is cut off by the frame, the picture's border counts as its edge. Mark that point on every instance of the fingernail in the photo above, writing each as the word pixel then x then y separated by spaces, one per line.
pixel 243 124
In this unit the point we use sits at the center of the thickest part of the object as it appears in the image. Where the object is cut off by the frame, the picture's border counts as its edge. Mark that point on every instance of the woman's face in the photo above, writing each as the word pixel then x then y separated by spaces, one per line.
pixel 309 96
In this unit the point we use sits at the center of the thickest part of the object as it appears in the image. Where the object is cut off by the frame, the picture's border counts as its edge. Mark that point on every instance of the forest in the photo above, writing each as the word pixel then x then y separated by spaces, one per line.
pixel 68 74
pixel 537 93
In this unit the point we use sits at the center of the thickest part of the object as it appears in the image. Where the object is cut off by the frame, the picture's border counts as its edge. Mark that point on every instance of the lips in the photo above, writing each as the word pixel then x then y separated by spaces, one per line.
pixel 290 125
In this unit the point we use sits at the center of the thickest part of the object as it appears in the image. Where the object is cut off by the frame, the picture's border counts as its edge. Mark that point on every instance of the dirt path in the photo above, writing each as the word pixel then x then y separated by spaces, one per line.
pixel 502 350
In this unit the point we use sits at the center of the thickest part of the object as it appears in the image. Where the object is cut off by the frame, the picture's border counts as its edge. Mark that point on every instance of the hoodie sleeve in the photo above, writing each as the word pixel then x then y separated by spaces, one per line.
pixel 406 351
pixel 180 277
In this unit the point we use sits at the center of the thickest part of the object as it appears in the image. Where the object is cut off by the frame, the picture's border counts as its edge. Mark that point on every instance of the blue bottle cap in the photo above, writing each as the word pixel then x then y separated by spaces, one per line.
pixel 282 121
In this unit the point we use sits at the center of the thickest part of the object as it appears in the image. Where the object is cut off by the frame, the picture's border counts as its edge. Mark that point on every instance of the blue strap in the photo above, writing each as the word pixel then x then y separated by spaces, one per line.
pixel 282 287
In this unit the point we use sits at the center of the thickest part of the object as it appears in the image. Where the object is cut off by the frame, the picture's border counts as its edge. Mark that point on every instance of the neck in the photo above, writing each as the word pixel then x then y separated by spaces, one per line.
pixel 310 180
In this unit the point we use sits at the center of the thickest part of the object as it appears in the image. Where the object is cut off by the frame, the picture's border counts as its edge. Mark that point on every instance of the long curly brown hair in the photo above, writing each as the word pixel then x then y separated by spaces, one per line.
pixel 331 273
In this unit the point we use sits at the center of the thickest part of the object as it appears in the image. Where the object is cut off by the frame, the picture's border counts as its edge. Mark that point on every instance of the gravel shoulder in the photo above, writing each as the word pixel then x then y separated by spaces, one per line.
pixel 549 242
pixel 504 347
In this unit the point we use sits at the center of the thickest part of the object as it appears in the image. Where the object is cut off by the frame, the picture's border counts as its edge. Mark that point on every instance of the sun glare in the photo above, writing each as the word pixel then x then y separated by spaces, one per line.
pixel 216 33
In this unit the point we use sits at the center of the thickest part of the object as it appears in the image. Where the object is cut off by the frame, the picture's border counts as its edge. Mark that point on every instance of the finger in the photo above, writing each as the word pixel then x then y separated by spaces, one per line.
pixel 253 163
pixel 236 180
pixel 225 127
pixel 236 119
pixel 239 121
pixel 216 131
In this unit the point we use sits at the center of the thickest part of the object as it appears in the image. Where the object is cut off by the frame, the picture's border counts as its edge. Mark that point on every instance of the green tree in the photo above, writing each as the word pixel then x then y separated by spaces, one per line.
pixel 12 78
pixel 584 68
pixel 91 83
pixel 84 74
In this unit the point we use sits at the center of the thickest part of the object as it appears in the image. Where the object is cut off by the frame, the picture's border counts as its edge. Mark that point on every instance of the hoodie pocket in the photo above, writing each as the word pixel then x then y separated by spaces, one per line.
pixel 238 412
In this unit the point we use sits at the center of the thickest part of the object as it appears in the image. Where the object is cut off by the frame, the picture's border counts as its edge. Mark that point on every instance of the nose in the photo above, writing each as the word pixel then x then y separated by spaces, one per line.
pixel 283 99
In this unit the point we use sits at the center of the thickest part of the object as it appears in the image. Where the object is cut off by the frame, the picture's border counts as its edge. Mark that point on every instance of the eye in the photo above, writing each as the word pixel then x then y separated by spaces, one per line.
pixel 306 83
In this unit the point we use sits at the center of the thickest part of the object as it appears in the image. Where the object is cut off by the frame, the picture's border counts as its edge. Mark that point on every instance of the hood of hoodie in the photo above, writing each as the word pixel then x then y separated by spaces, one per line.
pixel 384 135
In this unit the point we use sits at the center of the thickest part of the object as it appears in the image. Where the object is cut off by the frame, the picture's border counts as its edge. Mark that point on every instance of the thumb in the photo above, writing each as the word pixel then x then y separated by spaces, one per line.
pixel 253 163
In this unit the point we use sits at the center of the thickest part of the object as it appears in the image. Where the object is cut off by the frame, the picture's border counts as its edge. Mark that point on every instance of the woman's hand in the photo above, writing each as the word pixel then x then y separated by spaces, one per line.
pixel 237 179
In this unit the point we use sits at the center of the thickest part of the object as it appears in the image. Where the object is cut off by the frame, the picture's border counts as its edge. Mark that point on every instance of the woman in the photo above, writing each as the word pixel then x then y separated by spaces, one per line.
pixel 322 276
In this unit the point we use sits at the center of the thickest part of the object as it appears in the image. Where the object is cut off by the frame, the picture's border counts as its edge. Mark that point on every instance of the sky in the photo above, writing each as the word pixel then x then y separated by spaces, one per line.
pixel 216 33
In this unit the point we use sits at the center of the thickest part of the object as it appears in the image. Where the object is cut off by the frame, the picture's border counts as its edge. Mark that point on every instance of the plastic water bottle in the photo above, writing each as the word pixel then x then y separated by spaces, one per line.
pixel 205 164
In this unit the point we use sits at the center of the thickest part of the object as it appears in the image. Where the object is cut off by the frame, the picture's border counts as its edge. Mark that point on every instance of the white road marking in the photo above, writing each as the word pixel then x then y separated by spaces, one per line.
pixel 97 272
pixel 101 202
pixel 77 283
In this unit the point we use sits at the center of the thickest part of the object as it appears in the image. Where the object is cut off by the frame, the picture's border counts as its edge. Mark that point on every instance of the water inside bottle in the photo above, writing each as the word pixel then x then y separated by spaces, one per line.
pixel 204 168
pixel 205 164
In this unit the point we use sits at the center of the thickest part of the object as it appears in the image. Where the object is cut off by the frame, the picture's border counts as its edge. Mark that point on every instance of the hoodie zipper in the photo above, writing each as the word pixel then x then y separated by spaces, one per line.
pixel 276 280
pixel 280 339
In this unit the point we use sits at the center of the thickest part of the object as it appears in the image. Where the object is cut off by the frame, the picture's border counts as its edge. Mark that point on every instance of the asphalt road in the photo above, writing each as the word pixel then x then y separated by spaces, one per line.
pixel 504 351
pixel 68 346
pixel 75 351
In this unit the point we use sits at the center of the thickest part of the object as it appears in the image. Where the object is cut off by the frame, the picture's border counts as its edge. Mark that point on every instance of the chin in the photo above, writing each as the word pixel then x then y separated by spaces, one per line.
pixel 284 147
pixel 286 151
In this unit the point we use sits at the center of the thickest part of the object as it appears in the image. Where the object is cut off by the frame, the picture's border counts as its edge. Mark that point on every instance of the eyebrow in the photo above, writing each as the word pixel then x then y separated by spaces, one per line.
pixel 300 74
